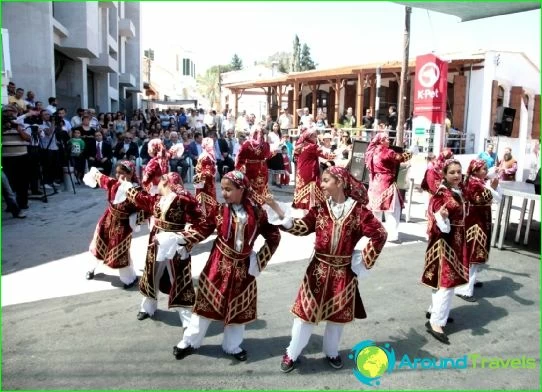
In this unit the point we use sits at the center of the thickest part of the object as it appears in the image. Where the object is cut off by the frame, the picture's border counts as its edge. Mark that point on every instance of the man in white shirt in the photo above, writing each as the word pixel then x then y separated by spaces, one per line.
pixel 285 121
pixel 76 120
pixel 305 116
pixel 51 108
pixel 94 123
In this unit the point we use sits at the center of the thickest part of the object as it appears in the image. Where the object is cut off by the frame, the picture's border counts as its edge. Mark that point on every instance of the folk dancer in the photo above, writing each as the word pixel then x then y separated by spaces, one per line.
pixel 384 196
pixel 204 180
pixel 252 161
pixel 446 264
pixel 167 267
pixel 479 193
pixel 113 234
pixel 307 192
pixel 329 291
pixel 227 284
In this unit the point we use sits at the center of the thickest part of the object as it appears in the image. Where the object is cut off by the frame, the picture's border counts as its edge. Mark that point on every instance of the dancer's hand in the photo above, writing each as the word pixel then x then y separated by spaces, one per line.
pixel 443 212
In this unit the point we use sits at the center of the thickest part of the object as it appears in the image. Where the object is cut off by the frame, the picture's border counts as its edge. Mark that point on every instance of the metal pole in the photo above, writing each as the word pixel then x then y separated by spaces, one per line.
pixel 402 85
pixel 377 98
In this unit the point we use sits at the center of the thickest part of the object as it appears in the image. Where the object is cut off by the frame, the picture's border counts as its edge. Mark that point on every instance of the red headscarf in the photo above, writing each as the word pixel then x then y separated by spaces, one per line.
pixel 130 167
pixel 208 145
pixel 157 150
pixel 374 148
pixel 444 155
pixel 174 182
pixel 352 187
pixel 475 165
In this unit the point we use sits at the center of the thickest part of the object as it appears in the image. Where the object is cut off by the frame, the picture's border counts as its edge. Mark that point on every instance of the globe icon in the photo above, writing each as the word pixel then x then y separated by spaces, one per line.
pixel 372 362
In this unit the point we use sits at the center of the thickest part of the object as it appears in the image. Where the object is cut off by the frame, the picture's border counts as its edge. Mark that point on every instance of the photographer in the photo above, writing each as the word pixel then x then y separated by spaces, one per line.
pixel 15 160
pixel 50 152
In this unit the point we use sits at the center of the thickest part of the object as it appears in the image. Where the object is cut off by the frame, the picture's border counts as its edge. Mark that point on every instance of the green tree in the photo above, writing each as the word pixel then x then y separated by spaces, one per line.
pixel 305 62
pixel 236 63
pixel 283 58
pixel 296 55
pixel 208 84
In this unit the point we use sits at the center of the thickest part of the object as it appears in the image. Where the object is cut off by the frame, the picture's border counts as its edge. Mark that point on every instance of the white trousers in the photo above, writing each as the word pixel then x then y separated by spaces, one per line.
pixel 468 288
pixel 302 331
pixel 149 305
pixel 194 334
pixel 393 217
pixel 440 306
pixel 126 274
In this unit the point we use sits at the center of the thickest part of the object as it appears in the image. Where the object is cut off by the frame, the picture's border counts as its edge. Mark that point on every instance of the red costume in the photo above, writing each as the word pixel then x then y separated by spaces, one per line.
pixel 383 164
pixel 113 234
pixel 285 176
pixel 329 291
pixel 204 179
pixel 170 214
pixel 433 175
pixel 307 192
pixel 252 161
pixel 446 263
pixel 478 220
pixel 226 289
pixel 158 165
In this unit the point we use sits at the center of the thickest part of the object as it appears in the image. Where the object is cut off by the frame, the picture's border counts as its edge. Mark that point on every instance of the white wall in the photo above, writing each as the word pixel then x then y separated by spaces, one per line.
pixel 473 110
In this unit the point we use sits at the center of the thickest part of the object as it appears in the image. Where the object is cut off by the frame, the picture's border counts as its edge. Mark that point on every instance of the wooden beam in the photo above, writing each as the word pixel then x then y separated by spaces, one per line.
pixel 314 91
pixel 372 99
pixel 359 99
pixel 337 89
pixel 296 97
pixel 236 104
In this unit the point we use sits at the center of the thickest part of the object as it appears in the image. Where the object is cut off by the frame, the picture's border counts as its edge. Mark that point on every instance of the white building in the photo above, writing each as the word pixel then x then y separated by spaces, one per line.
pixel 87 54
pixel 169 77
pixel 256 102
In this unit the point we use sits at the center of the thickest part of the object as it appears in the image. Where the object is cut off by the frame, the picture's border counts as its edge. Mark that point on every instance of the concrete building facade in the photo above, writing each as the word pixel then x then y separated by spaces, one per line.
pixel 87 54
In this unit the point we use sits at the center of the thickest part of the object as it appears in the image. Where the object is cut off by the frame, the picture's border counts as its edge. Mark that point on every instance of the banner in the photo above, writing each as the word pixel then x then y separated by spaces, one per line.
pixel 430 88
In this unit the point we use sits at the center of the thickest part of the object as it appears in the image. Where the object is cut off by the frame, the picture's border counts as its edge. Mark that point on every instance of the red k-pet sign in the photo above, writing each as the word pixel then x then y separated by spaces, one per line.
pixel 430 88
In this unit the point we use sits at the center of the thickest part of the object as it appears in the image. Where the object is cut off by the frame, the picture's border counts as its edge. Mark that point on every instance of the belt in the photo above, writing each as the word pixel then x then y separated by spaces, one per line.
pixel 118 213
pixel 230 253
pixel 255 161
pixel 333 260
pixel 168 226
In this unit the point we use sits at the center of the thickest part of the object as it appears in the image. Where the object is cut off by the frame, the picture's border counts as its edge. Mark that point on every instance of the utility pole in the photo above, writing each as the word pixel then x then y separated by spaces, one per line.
pixel 402 86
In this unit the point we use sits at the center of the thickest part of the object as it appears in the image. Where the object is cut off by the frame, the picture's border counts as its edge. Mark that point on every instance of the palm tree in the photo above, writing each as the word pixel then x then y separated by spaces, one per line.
pixel 208 85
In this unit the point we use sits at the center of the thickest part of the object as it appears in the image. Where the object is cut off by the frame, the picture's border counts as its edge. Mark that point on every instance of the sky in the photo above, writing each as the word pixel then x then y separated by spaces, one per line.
pixel 338 33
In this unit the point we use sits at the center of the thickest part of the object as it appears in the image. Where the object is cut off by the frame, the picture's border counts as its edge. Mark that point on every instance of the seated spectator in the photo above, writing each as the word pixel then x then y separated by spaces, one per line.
pixel 195 149
pixel 508 166
pixel 99 153
pixel 126 149
pixel 17 100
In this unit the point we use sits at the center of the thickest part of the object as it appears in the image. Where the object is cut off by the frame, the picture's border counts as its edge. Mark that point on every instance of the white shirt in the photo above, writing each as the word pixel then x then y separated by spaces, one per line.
pixel 51 109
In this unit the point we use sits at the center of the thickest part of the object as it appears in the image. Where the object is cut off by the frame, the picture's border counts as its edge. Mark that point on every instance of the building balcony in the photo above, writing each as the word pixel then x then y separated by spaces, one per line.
pixel 113 93
pixel 104 63
pixel 127 80
pixel 126 28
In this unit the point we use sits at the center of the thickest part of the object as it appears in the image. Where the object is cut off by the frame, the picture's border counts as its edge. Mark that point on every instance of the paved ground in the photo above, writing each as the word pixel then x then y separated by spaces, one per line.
pixel 63 332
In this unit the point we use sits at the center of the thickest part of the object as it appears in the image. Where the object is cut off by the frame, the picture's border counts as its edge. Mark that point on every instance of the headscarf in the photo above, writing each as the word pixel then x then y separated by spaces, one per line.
pixel 174 182
pixel 374 149
pixel 305 136
pixel 130 167
pixel 475 165
pixel 444 156
pixel 208 145
pixel 157 150
pixel 238 178
pixel 352 187
pixel 256 136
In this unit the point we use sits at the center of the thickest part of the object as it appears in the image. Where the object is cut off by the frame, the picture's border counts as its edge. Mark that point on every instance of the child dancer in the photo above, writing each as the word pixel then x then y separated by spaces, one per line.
pixel 329 291
pixel 204 180
pixel 227 284
pixel 113 234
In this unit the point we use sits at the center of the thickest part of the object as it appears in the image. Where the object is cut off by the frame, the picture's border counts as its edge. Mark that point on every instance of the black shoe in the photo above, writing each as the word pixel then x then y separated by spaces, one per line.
pixel 37 193
pixel 24 207
pixel 478 285
pixel 287 364
pixel 143 316
pixel 336 363
pixel 130 285
pixel 440 336
pixel 428 316
pixel 89 275
pixel 468 298
pixel 180 353
pixel 240 356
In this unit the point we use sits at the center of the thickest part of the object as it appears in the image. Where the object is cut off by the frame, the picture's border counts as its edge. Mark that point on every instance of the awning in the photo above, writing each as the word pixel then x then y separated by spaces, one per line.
pixel 473 10
pixel 149 90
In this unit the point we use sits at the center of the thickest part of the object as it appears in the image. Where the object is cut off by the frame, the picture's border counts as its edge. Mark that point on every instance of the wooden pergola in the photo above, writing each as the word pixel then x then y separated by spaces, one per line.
pixel 364 76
